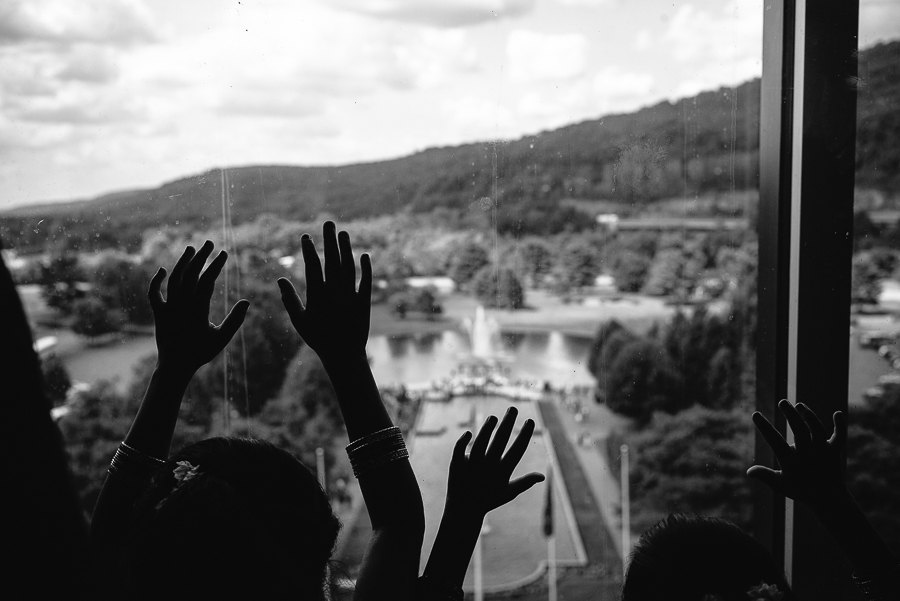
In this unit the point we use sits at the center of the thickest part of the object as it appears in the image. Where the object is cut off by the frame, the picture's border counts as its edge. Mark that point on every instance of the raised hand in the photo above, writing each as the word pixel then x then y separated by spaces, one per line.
pixel 335 320
pixel 185 338
pixel 811 468
pixel 481 482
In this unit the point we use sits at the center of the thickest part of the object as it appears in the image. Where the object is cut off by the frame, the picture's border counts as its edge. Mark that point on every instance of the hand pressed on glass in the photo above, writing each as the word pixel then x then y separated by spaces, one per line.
pixel 185 338
pixel 335 320
pixel 811 468
pixel 480 482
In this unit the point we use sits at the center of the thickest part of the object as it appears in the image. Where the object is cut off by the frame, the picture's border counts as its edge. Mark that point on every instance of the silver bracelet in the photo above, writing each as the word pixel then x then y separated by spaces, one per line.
pixel 375 450
pixel 133 466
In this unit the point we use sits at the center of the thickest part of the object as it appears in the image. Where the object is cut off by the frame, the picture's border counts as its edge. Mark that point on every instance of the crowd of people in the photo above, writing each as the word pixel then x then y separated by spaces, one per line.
pixel 229 517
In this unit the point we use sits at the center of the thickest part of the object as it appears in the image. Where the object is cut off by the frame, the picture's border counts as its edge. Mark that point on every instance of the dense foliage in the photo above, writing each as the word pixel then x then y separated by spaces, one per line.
pixel 693 462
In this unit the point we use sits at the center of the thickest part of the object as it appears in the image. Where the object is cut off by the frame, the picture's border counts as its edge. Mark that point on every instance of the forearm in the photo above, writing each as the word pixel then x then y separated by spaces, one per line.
pixel 153 427
pixel 453 547
pixel 857 538
pixel 151 434
pixel 357 394
pixel 392 493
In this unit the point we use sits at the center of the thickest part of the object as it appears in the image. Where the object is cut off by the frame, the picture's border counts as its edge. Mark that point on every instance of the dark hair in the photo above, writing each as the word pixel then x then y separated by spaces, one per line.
pixel 689 557
pixel 252 521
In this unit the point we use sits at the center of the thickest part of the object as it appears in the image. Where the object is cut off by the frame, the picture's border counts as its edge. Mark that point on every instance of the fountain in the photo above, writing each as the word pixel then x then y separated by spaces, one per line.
pixel 484 333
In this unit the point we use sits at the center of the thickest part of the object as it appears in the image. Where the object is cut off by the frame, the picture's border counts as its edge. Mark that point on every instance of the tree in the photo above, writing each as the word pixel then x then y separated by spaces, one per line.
pixel 642 380
pixel 693 462
pixel 578 265
pixel 93 318
pixel 467 261
pixel 56 379
pixel 399 304
pixel 666 276
pixel 306 413
pixel 425 302
pixel 534 258
pixel 608 342
pixel 59 279
pixel 865 281
pixel 256 359
pixel 873 463
pixel 500 290
pixel 630 270
pixel 122 284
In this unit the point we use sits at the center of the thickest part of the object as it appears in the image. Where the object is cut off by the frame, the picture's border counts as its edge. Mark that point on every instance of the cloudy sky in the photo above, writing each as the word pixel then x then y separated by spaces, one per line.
pixel 100 95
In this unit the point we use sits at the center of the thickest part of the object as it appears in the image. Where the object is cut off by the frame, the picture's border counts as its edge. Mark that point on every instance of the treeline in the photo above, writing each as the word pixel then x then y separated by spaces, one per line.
pixel 688 385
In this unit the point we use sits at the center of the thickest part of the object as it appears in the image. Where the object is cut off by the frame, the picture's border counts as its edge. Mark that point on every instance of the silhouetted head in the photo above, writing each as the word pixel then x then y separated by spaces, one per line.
pixel 241 517
pixel 693 558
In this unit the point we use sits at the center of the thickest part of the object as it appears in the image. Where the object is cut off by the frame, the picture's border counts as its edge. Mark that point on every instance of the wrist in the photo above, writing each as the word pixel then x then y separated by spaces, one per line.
pixel 463 514
pixel 175 373
pixel 834 506
pixel 342 361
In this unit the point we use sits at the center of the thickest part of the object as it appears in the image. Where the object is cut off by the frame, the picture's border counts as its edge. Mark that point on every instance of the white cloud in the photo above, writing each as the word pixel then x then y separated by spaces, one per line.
pixel 478 117
pixel 610 90
pixel 585 3
pixel 723 48
pixel 437 13
pixel 879 21
pixel 120 22
pixel 614 84
pixel 535 56
pixel 644 40
pixel 90 63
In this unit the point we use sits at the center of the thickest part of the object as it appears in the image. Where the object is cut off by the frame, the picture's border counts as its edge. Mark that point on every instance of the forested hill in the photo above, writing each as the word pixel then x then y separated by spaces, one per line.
pixel 702 144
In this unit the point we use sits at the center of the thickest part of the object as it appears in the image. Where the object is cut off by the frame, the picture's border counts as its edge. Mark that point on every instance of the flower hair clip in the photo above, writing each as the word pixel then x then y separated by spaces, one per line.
pixel 184 471
pixel 760 592
pixel 765 592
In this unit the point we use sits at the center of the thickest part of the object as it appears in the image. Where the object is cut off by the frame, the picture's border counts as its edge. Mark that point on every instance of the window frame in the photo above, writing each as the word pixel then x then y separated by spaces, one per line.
pixel 807 153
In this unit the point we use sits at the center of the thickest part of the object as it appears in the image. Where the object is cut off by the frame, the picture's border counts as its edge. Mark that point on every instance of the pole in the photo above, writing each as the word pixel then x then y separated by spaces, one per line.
pixel 320 466
pixel 626 510
pixel 551 567
pixel 550 533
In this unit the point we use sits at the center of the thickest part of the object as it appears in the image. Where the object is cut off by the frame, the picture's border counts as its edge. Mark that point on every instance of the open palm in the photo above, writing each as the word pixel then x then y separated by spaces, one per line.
pixel 480 482
pixel 335 320
pixel 185 338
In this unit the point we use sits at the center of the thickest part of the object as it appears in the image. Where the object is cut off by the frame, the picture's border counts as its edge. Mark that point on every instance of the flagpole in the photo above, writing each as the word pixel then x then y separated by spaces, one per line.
pixel 551 567
pixel 550 533
pixel 626 509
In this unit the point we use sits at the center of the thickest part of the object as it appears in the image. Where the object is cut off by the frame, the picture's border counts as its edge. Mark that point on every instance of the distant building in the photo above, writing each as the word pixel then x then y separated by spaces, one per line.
pixel 442 284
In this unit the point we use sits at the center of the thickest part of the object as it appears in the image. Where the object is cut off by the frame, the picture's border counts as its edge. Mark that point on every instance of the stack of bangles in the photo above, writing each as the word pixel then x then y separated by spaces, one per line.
pixel 132 466
pixel 376 450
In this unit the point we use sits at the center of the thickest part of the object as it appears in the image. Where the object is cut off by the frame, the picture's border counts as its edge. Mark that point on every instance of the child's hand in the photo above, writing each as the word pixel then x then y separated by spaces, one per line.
pixel 335 320
pixel 481 482
pixel 185 338
pixel 811 468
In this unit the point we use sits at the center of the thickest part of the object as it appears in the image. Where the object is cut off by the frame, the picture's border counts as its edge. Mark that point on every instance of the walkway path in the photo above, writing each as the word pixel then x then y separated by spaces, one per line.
pixel 598 540
pixel 602 480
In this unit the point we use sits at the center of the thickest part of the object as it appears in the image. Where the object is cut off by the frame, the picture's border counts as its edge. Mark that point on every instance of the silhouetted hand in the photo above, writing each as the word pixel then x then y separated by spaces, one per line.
pixel 811 468
pixel 481 482
pixel 185 338
pixel 335 320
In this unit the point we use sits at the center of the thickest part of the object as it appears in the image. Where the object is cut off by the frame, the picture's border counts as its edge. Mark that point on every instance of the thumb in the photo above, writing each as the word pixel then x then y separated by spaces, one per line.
pixel 291 300
pixel 233 321
pixel 769 477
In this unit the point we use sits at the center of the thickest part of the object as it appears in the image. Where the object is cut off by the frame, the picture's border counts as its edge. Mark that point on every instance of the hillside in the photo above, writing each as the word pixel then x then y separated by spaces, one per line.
pixel 698 145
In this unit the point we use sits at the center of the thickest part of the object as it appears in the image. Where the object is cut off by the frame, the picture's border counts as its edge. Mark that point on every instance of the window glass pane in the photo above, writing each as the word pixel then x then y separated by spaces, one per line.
pixel 559 197
pixel 872 461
